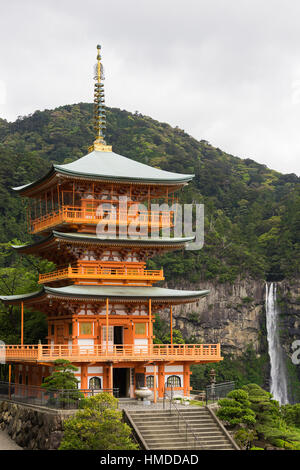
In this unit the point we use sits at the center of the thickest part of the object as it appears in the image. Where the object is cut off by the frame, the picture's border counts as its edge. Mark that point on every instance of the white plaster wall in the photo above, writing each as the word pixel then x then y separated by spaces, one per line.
pixel 174 369
pixel 95 370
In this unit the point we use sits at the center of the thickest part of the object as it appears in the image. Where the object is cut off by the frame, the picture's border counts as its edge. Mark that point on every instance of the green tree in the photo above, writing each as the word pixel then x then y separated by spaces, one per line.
pixel 64 381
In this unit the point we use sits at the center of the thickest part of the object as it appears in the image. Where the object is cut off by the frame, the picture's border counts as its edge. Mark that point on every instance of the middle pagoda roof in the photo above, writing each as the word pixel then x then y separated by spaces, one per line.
pixel 93 239
pixel 107 166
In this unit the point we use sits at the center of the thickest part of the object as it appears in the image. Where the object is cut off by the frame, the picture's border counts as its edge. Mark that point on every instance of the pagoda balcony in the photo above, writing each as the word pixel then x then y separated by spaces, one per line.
pixel 117 353
pixel 83 216
pixel 99 272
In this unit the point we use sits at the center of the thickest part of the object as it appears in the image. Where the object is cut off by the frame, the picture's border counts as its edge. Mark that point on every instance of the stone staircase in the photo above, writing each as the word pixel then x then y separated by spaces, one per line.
pixel 158 429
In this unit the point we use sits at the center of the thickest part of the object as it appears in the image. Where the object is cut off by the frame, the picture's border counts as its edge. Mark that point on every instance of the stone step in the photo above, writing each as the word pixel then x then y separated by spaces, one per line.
pixel 168 416
pixel 147 412
pixel 181 437
pixel 175 427
pixel 160 429
pixel 202 434
pixel 193 447
pixel 166 429
pixel 171 421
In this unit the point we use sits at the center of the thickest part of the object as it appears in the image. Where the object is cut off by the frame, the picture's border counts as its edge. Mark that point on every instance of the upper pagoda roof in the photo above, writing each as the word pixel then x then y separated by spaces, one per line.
pixel 115 293
pixel 109 166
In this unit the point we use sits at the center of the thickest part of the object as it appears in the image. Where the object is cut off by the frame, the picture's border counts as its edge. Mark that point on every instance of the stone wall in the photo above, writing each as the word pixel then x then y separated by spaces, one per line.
pixel 33 427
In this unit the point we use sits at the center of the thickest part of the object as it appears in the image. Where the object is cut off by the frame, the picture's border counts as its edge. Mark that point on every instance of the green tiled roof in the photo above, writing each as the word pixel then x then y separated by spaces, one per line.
pixel 92 238
pixel 110 166
pixel 112 292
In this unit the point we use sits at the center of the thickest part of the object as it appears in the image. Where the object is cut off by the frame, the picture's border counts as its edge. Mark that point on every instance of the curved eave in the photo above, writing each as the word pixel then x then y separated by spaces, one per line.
pixel 101 293
pixel 89 239
pixel 26 189
pixel 17 299
pixel 124 179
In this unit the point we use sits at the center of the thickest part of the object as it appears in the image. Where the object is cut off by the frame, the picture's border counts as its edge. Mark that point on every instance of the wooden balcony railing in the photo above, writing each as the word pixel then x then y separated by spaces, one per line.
pixel 98 272
pixel 78 215
pixel 158 352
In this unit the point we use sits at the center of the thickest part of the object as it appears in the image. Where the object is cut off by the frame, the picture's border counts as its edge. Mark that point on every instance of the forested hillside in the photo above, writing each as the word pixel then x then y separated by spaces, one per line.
pixel 252 218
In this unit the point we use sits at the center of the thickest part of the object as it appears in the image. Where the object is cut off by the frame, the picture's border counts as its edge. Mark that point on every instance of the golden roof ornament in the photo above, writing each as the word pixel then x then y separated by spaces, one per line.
pixel 99 108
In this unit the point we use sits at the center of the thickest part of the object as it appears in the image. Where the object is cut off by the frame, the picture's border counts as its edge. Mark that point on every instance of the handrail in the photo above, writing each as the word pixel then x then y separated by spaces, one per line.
pixel 102 215
pixel 200 352
pixel 102 272
pixel 180 416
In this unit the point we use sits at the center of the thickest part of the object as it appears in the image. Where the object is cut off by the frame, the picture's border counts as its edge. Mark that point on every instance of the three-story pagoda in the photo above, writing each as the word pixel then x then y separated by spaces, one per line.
pixel 101 300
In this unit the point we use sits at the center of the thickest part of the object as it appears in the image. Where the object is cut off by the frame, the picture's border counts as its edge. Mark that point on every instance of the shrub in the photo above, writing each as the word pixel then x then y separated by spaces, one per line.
pixel 235 409
pixel 291 414
pixel 244 438
pixel 100 402
pixel 98 426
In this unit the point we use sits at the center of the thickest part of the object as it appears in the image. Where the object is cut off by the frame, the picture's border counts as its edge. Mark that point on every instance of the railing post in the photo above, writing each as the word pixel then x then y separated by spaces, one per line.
pixel 40 351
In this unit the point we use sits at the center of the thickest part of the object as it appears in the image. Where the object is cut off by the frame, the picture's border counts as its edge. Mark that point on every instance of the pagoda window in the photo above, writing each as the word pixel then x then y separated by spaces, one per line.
pixel 95 383
pixel 86 328
pixel 20 379
pixel 150 381
pixel 140 329
pixel 70 329
pixel 173 381
pixel 52 330
pixel 110 334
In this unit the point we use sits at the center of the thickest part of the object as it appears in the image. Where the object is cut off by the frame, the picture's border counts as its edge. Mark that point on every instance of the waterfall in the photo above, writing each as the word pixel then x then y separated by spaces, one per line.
pixel 278 375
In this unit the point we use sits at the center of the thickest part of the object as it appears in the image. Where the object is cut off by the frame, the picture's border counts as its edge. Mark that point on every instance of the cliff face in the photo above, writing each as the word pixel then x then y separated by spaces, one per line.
pixel 288 297
pixel 234 315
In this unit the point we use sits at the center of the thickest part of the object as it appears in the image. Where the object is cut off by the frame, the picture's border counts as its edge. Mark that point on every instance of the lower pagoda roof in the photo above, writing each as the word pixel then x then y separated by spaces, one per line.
pixel 101 293
pixel 93 239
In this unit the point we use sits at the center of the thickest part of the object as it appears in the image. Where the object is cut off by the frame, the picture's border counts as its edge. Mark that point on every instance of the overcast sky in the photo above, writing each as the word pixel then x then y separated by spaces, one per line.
pixel 227 71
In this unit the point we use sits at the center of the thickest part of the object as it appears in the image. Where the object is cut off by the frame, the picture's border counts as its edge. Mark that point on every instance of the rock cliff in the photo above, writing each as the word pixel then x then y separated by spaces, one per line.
pixel 234 314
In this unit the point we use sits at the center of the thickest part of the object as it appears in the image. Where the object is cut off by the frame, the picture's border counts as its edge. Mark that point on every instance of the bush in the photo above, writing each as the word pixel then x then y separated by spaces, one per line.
pixel 244 438
pixel 254 407
pixel 226 402
pixel 98 426
pixel 100 402
pixel 291 414
pixel 235 409
pixel 241 396
pixel 267 410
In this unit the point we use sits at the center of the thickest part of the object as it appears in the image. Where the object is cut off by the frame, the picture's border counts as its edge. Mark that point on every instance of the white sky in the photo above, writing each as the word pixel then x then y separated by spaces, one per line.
pixel 227 71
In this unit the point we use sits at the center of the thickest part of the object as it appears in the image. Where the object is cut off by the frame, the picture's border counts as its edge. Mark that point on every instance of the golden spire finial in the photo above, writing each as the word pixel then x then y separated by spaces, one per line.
pixel 99 108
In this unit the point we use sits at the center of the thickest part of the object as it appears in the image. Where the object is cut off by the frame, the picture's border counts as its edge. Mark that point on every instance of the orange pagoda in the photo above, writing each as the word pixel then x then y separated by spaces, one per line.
pixel 101 300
